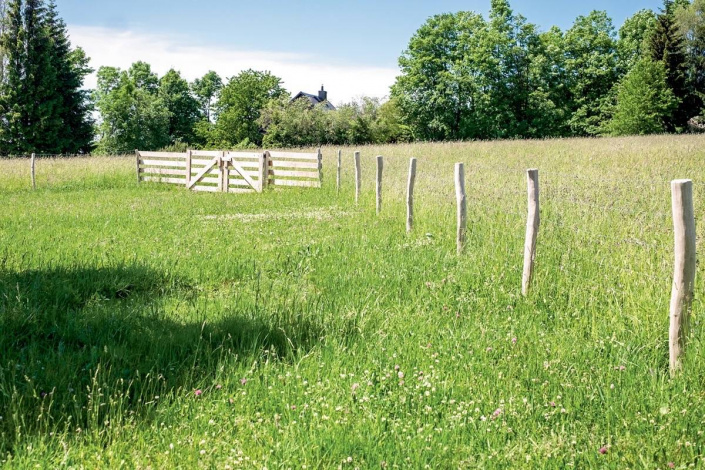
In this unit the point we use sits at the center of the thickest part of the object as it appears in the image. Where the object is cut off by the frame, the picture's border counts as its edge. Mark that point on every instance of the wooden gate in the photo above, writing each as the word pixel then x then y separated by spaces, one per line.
pixel 231 172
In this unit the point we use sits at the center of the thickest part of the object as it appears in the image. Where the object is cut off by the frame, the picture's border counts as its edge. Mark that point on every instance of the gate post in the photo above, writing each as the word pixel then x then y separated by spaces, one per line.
pixel 263 170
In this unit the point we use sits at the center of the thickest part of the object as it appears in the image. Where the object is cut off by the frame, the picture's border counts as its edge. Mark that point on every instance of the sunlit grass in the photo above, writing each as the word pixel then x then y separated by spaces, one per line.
pixel 147 326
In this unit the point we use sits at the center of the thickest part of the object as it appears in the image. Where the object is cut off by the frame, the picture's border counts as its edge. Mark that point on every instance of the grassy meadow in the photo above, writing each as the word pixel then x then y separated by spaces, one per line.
pixel 146 326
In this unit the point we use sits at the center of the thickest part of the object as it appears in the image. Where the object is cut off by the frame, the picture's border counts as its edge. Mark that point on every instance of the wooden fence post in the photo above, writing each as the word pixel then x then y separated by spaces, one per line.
pixel 226 173
pixel 684 270
pixel 337 181
pixel 263 171
pixel 532 229
pixel 320 166
pixel 188 167
pixel 410 196
pixel 380 168
pixel 358 177
pixel 32 164
pixel 462 205
pixel 137 156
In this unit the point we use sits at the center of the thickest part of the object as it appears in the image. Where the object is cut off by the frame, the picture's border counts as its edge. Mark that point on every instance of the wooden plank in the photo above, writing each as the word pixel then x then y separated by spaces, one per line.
pixel 162 155
pixel 221 183
pixel 303 184
pixel 206 153
pixel 211 180
pixel 294 156
pixel 296 174
pixel 238 182
pixel 285 164
pixel 158 179
pixel 262 171
pixel 162 163
pixel 203 172
pixel 683 271
pixel 532 229
pixel 320 166
pixel 243 155
pixel 162 171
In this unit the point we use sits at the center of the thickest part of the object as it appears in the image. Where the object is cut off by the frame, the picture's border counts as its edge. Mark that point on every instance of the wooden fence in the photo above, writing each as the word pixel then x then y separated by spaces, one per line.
pixel 231 172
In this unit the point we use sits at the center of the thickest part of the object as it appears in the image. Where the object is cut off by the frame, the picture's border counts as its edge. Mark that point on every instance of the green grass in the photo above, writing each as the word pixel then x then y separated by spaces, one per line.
pixel 322 336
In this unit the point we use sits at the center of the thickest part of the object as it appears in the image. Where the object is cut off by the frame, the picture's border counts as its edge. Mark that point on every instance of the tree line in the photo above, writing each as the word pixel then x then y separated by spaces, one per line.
pixel 462 77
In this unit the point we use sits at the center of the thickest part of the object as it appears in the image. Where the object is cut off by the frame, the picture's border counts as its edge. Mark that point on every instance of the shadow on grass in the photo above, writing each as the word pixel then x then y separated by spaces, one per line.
pixel 86 346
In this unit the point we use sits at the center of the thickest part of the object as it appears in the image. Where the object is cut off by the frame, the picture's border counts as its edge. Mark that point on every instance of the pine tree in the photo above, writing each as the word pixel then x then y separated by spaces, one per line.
pixel 667 46
pixel 71 67
pixel 11 88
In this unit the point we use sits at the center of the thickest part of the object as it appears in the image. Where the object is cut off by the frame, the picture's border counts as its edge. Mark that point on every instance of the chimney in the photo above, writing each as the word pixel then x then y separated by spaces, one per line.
pixel 323 94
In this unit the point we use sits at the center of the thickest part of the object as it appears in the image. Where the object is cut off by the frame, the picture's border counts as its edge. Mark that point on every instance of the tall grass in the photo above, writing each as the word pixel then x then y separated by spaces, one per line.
pixel 148 326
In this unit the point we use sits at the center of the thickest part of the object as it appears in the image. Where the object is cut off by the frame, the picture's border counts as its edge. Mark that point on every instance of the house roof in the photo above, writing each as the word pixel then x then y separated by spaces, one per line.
pixel 315 99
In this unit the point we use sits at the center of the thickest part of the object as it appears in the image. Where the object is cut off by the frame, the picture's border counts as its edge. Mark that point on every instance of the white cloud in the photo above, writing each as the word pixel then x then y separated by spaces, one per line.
pixel 299 72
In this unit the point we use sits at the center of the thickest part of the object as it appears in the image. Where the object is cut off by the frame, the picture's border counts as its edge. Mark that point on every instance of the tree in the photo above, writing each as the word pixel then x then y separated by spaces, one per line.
pixel 182 106
pixel 691 23
pixel 591 70
pixel 240 104
pixel 133 115
pixel 71 67
pixel 439 91
pixel 667 46
pixel 644 102
pixel 3 11
pixel 634 37
pixel 206 90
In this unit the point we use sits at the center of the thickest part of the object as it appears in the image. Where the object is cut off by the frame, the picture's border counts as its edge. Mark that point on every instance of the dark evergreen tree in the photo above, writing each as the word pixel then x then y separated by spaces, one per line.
pixel 667 46
pixel 71 68
pixel 12 139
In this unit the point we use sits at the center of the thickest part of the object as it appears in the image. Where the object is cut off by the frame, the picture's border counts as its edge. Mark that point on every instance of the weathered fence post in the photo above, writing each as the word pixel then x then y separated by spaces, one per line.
pixel 225 162
pixel 137 157
pixel 188 167
pixel 358 177
pixel 320 166
pixel 221 171
pixel 337 180
pixel 532 229
pixel 34 181
pixel 410 196
pixel 684 270
pixel 263 171
pixel 380 168
pixel 462 205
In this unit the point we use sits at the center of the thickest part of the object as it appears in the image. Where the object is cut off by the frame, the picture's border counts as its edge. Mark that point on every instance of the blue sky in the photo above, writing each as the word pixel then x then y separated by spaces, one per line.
pixel 352 46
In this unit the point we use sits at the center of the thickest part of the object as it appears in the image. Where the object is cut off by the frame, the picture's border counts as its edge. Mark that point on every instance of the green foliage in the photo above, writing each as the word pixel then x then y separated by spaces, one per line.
pixel 239 106
pixel 183 108
pixel 41 100
pixel 591 70
pixel 133 114
pixel 668 46
pixel 634 38
pixel 206 91
pixel 691 23
pixel 644 102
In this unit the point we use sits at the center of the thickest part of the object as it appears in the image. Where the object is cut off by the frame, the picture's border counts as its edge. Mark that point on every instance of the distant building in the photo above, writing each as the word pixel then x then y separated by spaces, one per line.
pixel 322 97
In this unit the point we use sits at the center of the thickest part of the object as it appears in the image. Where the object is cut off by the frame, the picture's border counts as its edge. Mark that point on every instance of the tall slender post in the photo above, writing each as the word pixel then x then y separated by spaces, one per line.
pixel 34 181
pixel 410 196
pixel 532 229
pixel 263 171
pixel 462 205
pixel 188 167
pixel 137 158
pixel 221 171
pixel 684 270
pixel 226 173
pixel 358 177
pixel 320 167
pixel 337 181
pixel 380 168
